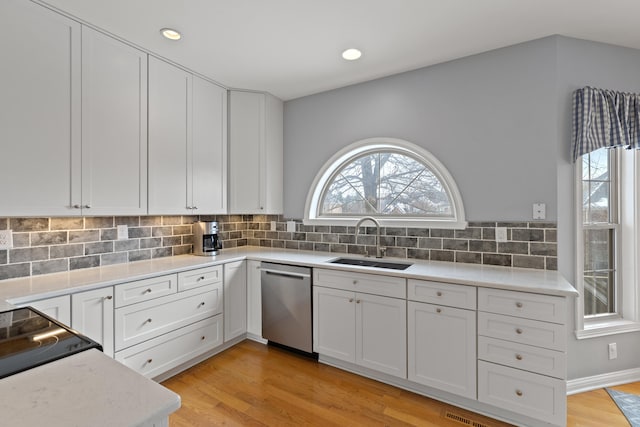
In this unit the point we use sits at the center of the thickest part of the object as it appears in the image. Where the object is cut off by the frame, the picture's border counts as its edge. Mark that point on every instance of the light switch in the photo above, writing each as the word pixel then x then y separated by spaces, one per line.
pixel 539 211
pixel 291 226
pixel 123 232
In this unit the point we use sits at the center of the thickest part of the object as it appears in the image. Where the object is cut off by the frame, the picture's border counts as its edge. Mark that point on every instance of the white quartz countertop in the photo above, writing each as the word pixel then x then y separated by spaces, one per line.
pixel 23 290
pixel 52 394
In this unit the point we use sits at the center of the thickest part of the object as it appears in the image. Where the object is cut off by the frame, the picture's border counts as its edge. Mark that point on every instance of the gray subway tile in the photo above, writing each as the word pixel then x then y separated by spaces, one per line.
pixel 513 247
pixel 435 255
pixel 440 232
pixel 542 224
pixel 551 263
pixel 182 250
pixel 139 255
pixel 299 236
pixel 468 233
pixel 114 258
pixel 51 266
pixel 171 220
pixel 392 252
pixel 84 262
pixel 497 259
pixel 98 222
pixel 430 243
pixel 321 247
pixel 98 248
pixel 29 224
pixel 147 221
pixel 407 242
pixel 347 238
pixel 488 234
pixel 394 231
pixel 108 234
pixel 182 229
pixel 512 224
pixel 365 240
pixel 21 240
pixel 290 244
pixel 338 229
pixel 455 244
pixel 418 232
pixel 527 235
pixel 12 271
pixel 129 221
pixel 551 235
pixel 469 257
pixel 154 242
pixel 418 253
pixel 28 254
pixel 126 245
pixel 4 223
pixel 330 238
pixel 67 223
pixel 161 252
pixel 482 224
pixel 266 243
pixel 546 249
pixel 338 248
pixel 356 250
pixel 172 241
pixel 482 246
pixel 278 244
pixel 139 232
pixel 3 257
pixel 82 236
pixel 306 246
pixel 66 251
pixel 528 261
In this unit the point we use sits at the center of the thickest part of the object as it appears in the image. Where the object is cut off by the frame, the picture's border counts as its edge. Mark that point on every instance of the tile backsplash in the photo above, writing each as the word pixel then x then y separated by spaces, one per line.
pixel 49 245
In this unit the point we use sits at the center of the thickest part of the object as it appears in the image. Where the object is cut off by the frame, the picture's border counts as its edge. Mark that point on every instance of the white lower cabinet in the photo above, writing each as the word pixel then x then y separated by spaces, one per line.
pixel 442 348
pixel 235 299
pixel 92 315
pixel 254 299
pixel 58 308
pixel 361 328
pixel 158 355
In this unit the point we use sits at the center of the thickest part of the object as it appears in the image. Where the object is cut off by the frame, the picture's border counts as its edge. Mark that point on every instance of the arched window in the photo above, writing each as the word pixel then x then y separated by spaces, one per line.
pixel 393 180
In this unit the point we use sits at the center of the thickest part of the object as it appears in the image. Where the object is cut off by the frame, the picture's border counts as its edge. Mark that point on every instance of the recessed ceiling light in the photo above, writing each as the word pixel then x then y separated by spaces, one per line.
pixel 171 34
pixel 351 54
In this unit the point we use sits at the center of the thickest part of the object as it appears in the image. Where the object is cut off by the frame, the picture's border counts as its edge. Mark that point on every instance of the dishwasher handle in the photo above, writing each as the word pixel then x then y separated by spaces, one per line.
pixel 285 273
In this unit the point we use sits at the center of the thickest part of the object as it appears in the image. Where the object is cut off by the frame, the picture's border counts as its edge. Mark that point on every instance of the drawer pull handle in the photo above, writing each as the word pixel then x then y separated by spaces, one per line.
pixel 148 320
pixel 518 331
pixel 109 297
pixel 519 304
pixel 149 360
pixel 201 304
pixel 355 282
pixel 200 278
pixel 350 299
pixel 439 293
pixel 518 356
pixel 438 310
pixel 202 338
pixel 519 393
pixel 147 291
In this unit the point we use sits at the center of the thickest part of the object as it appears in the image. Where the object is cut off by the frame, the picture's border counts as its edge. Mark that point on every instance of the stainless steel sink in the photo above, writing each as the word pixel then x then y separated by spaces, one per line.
pixel 371 263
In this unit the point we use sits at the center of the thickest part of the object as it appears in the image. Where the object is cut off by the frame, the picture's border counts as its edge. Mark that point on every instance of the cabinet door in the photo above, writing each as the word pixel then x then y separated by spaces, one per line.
pixel 92 315
pixel 114 127
pixel 169 136
pixel 209 147
pixel 254 299
pixel 381 331
pixel 40 112
pixel 334 332
pixel 246 151
pixel 442 348
pixel 235 299
pixel 273 163
pixel 58 308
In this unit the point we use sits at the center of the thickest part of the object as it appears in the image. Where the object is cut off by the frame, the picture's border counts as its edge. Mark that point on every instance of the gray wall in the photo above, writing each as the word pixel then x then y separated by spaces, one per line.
pixel 486 117
pixel 499 121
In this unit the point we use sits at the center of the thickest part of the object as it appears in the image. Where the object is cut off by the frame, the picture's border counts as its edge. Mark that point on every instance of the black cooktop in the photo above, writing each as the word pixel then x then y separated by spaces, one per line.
pixel 29 338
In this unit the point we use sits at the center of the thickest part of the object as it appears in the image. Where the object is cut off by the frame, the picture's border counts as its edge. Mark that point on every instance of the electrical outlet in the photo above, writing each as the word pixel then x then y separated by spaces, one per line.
pixel 291 226
pixel 501 234
pixel 613 351
pixel 123 232
pixel 6 239
pixel 273 226
pixel 539 211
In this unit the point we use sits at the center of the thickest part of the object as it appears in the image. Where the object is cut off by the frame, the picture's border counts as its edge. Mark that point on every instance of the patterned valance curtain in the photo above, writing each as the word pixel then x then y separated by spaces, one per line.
pixel 604 118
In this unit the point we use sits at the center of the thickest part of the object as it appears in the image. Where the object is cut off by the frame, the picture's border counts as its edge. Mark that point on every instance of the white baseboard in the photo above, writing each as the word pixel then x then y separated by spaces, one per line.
pixel 580 385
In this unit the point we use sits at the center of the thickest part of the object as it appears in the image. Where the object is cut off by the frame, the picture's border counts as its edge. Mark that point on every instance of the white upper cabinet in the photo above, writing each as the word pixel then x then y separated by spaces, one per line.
pixel 114 127
pixel 187 142
pixel 74 118
pixel 40 110
pixel 255 153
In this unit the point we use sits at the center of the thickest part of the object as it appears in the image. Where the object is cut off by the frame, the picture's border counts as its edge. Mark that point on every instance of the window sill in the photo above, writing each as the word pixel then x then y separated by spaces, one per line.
pixel 607 327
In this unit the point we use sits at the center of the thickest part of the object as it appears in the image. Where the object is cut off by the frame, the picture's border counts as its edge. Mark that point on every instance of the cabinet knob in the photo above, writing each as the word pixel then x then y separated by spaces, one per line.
pixel 355 282
pixel 518 357
pixel 109 297
pixel 148 320
pixel 202 338
pixel 519 304
pixel 147 291
pixel 76 206
pixel 357 301
pixel 519 393
pixel 439 293
pixel 86 207
pixel 438 310
pixel 149 360
pixel 518 331
pixel 201 304
pixel 200 278
pixel 194 207
pixel 261 207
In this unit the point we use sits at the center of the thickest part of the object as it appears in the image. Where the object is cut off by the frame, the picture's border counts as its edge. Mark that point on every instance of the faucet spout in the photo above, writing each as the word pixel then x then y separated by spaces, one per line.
pixel 379 251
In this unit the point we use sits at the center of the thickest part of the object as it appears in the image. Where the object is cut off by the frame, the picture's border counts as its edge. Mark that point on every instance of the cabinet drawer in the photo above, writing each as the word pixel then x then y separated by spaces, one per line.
pixel 145 290
pixel 523 304
pixel 525 331
pixel 533 395
pixel 200 277
pixel 158 355
pixel 140 322
pixel 459 296
pixel 521 356
pixel 395 287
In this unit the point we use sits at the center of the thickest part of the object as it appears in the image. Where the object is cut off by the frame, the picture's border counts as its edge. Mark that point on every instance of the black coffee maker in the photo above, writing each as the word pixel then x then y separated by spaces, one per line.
pixel 205 238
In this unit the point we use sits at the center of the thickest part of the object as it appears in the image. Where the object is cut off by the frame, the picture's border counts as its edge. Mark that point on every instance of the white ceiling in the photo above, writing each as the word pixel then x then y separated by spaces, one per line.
pixel 292 48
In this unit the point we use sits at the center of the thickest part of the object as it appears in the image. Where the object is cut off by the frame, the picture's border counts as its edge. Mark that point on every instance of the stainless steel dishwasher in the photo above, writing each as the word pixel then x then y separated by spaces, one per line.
pixel 286 305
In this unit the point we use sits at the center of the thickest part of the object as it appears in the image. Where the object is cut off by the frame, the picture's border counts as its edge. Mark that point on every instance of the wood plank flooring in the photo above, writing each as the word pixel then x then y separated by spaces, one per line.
pixel 252 384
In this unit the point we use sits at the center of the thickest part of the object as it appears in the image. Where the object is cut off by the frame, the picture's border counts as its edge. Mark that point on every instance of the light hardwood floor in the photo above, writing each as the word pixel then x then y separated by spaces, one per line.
pixel 256 385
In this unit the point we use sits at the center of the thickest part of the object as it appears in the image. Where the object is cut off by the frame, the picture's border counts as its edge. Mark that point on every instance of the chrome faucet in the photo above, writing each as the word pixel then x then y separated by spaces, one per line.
pixel 379 251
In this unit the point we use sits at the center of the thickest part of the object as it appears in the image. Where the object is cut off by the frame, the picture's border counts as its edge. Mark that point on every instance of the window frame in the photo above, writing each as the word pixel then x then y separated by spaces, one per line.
pixel 624 180
pixel 371 145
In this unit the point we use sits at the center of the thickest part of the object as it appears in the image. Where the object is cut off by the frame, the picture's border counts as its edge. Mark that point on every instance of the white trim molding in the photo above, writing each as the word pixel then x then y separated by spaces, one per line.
pixel 580 385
